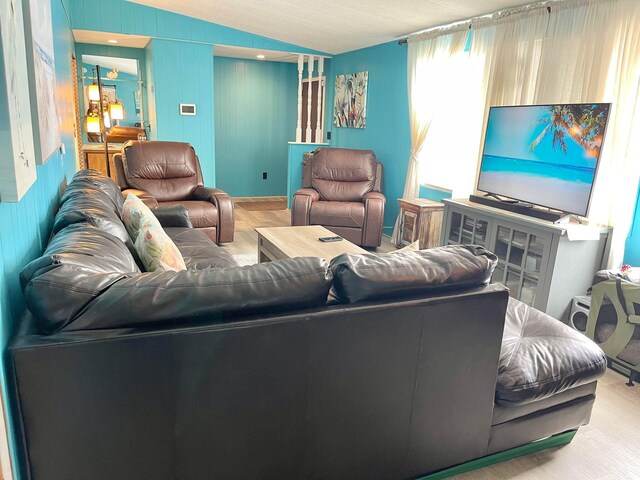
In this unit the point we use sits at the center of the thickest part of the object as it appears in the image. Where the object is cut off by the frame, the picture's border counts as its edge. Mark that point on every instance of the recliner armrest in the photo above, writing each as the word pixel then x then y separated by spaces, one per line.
pixel 301 205
pixel 148 199
pixel 206 194
pixel 174 216
pixel 373 218
pixel 224 204
pixel 310 192
pixel 121 177
pixel 374 196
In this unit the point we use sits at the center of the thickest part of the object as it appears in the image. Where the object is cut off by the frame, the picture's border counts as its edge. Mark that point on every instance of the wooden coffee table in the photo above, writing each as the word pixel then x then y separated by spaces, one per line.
pixel 276 243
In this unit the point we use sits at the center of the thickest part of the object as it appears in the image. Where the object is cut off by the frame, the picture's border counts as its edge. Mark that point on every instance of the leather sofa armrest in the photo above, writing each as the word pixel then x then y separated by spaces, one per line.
pixel 373 218
pixel 224 204
pixel 175 216
pixel 301 205
pixel 148 199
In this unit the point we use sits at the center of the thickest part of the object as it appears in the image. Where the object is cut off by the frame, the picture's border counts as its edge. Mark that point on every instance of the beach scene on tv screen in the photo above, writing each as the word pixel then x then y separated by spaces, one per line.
pixel 546 155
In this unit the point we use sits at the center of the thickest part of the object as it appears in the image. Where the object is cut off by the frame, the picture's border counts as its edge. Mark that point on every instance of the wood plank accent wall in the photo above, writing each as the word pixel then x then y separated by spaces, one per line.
pixel 179 66
pixel 255 117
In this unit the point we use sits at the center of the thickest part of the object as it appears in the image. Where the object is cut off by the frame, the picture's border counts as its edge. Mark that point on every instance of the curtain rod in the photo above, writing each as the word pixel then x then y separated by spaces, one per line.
pixel 505 12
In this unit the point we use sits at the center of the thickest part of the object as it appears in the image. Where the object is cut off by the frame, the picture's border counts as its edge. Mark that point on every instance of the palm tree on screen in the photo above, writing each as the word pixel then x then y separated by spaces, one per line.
pixel 583 123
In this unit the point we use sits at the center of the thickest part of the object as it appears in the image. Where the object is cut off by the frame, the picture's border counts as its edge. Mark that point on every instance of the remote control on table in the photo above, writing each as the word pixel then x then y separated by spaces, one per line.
pixel 330 239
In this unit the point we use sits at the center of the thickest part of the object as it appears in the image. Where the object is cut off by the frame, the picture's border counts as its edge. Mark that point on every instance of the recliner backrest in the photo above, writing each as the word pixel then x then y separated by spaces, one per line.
pixel 169 171
pixel 343 174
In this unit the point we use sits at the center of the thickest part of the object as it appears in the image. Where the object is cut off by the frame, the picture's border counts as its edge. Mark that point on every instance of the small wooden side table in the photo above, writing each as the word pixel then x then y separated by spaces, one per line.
pixel 420 219
pixel 94 157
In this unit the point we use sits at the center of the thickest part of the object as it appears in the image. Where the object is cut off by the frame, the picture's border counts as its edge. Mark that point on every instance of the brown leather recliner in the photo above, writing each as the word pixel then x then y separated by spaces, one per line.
pixel 341 191
pixel 167 174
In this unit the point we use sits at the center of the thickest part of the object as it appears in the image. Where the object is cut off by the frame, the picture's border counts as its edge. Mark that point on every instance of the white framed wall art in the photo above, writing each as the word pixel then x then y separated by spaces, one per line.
pixel 17 158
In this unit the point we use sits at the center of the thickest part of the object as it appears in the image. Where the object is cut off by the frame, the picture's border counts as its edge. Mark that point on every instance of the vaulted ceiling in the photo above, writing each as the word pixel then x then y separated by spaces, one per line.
pixel 332 26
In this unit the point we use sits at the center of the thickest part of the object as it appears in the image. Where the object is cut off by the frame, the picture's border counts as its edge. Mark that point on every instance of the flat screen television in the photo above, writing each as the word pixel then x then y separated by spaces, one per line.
pixel 546 155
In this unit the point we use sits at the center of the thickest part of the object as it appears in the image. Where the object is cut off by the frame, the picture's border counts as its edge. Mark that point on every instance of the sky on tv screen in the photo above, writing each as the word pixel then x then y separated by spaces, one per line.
pixel 544 154
pixel 512 130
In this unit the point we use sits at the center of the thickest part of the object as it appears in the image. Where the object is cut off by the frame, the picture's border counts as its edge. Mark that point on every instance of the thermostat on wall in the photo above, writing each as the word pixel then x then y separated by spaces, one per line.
pixel 187 109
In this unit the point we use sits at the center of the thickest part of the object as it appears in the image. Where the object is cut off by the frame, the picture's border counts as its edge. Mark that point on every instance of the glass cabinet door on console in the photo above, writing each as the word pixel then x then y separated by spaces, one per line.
pixel 521 255
pixel 536 260
pixel 464 229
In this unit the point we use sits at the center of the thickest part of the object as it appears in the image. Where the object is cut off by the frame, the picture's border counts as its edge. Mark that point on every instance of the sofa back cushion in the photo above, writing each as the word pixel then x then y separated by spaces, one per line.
pixel 70 297
pixel 343 174
pixel 167 170
pixel 96 183
pixel 90 209
pixel 365 277
pixel 79 263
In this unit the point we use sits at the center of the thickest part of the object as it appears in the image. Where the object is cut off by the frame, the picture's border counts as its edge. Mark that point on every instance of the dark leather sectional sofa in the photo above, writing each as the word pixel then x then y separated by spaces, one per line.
pixel 250 372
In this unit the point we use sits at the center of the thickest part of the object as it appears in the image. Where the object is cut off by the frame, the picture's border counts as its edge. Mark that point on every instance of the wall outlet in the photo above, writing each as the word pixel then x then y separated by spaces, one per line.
pixel 264 175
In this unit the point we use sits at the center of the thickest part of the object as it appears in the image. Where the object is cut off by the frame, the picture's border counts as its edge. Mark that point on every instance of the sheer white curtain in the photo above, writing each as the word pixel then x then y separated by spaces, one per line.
pixel 582 51
pixel 428 75
pixel 579 51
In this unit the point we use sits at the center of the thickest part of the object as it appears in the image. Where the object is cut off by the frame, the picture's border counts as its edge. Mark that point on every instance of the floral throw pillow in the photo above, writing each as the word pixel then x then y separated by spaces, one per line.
pixel 135 215
pixel 157 251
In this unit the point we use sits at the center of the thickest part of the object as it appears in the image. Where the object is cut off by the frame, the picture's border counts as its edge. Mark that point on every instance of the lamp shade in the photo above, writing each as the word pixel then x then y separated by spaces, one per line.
pixel 93 92
pixel 93 124
pixel 116 111
pixel 107 119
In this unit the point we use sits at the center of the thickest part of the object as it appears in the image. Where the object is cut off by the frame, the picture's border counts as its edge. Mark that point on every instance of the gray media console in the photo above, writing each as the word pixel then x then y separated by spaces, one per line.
pixel 544 264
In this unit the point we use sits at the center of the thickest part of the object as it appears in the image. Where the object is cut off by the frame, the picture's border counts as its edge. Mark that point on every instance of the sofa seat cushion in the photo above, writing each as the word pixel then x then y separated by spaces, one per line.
pixel 201 213
pixel 364 277
pixel 198 250
pixel 338 214
pixel 542 357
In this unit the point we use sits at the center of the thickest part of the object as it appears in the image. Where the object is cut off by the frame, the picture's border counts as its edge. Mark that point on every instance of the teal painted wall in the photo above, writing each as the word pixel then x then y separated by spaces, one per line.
pixel 255 117
pixel 182 72
pixel 179 66
pixel 26 225
pixel 387 130
pixel 632 245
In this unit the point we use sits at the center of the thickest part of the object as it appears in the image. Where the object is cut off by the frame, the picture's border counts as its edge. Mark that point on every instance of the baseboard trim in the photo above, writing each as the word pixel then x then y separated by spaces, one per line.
pixel 259 199
pixel 533 447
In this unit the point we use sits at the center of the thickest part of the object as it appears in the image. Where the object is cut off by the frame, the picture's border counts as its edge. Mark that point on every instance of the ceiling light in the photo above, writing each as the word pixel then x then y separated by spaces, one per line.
pixel 112 40
pixel 261 57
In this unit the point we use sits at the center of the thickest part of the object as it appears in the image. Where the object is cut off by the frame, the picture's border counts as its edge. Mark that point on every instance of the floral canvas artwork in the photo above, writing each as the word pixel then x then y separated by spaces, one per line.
pixel 350 107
